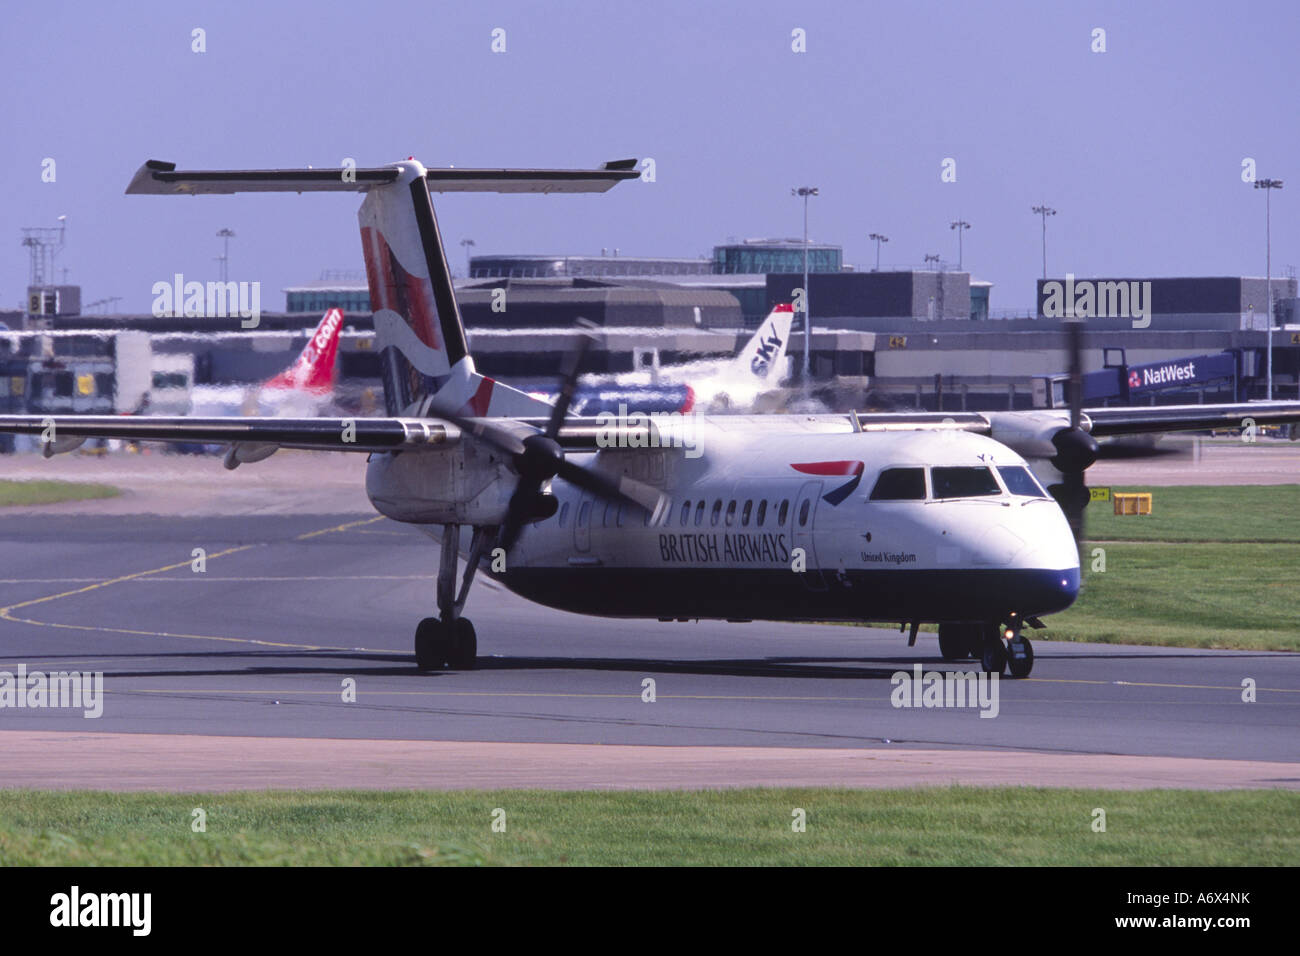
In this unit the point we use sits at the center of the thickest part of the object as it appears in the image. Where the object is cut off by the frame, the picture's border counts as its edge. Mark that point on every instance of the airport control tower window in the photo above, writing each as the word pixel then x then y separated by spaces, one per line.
pixel 963 482
pixel 900 484
pixel 1020 481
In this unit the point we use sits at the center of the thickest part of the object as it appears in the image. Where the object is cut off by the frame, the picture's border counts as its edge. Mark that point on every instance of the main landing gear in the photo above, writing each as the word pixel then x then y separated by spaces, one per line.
pixel 449 639
pixel 997 648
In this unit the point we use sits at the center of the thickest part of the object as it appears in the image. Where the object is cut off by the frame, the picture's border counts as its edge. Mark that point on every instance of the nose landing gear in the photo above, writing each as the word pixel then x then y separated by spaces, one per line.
pixel 1005 648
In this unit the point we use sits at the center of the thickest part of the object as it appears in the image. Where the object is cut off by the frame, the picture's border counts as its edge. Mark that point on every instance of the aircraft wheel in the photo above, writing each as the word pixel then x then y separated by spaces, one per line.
pixel 463 645
pixel 430 644
pixel 994 656
pixel 1020 659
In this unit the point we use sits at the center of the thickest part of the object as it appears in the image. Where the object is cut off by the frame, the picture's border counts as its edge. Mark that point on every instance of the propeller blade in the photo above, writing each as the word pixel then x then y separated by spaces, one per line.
pixel 569 377
pixel 614 487
pixel 1078 449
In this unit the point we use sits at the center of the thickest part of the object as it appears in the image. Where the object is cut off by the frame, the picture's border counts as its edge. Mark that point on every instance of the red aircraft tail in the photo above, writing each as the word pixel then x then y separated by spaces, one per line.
pixel 313 371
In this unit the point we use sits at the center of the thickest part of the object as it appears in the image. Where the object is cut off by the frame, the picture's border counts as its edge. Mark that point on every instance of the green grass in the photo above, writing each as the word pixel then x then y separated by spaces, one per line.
pixel 39 492
pixel 943 826
pixel 1259 513
pixel 1209 567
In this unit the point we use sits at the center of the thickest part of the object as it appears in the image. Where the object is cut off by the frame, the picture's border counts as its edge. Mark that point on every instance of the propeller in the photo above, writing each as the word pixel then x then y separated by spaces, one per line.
pixel 1076 450
pixel 539 457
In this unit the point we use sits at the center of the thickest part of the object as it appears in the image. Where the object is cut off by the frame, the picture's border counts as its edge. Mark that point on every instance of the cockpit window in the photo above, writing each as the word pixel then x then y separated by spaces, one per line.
pixel 1020 481
pixel 899 484
pixel 963 482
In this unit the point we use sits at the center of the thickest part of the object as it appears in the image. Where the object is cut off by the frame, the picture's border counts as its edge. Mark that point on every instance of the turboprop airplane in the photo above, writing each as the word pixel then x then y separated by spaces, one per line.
pixel 907 517
pixel 301 390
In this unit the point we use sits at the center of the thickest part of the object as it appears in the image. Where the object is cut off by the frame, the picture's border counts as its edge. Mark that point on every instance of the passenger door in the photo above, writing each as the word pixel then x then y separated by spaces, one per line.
pixel 803 521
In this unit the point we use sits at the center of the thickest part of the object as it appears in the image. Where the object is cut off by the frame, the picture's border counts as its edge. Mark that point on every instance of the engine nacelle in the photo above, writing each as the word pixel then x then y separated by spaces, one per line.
pixel 463 483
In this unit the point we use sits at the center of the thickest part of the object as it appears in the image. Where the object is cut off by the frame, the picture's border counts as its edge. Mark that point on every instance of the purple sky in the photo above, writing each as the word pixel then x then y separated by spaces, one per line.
pixel 1139 148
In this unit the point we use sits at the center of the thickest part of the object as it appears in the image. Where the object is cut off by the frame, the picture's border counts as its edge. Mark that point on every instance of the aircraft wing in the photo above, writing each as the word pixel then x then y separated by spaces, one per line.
pixel 1136 420
pixel 314 434
pixel 324 434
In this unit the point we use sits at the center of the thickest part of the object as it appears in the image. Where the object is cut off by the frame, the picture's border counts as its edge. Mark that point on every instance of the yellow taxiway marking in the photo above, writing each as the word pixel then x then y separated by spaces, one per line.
pixel 5 611
pixel 1135 683
pixel 339 527
pixel 7 615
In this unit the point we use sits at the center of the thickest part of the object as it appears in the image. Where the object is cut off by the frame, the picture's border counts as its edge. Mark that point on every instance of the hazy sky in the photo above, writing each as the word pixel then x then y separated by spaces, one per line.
pixel 1139 148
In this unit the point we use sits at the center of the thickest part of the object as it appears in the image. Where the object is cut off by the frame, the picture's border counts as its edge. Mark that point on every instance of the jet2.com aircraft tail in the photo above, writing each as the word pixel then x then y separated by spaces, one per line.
pixel 314 370
pixel 426 365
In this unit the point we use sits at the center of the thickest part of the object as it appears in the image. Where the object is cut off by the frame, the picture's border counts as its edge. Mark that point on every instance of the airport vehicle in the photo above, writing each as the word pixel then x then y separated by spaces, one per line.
pixel 302 390
pixel 907 517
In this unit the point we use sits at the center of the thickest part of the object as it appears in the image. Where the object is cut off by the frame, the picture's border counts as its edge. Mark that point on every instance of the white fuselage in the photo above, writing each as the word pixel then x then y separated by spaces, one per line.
pixel 747 534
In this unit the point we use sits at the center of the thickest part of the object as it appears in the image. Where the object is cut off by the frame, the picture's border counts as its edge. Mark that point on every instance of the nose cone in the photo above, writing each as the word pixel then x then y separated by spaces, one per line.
pixel 1050 561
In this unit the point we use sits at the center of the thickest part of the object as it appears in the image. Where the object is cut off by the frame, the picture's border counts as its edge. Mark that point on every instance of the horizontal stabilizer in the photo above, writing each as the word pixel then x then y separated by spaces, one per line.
pixel 158 178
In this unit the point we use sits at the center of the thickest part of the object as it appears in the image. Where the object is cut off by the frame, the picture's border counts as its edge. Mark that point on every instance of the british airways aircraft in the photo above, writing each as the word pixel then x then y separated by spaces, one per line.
pixel 918 518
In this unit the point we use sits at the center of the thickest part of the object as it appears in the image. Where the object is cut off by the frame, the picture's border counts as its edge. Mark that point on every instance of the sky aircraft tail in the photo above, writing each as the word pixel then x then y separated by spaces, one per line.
pixel 763 356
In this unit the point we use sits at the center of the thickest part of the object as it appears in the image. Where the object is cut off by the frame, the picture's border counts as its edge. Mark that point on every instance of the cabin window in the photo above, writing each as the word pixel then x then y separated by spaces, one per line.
pixel 699 514
pixel 686 512
pixel 961 482
pixel 762 512
pixel 1020 481
pixel 584 514
pixel 900 484
pixel 731 513
pixel 781 515
pixel 622 510
pixel 564 514
pixel 745 512
pixel 716 513
pixel 803 511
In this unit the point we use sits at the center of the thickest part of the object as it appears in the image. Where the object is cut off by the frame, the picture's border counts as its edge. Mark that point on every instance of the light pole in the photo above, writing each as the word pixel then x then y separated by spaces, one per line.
pixel 1044 211
pixel 225 235
pixel 879 239
pixel 468 244
pixel 806 192
pixel 961 225
pixel 1268 185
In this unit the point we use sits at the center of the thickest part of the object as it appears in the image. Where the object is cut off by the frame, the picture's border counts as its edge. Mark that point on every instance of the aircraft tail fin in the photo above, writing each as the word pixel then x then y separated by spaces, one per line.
pixel 315 368
pixel 424 352
pixel 763 357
